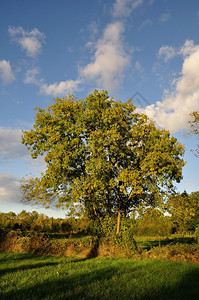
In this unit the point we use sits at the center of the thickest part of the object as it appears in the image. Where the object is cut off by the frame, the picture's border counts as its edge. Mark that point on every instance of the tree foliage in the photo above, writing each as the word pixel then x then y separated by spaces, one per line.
pixel 35 222
pixel 152 222
pixel 194 127
pixel 102 154
pixel 183 208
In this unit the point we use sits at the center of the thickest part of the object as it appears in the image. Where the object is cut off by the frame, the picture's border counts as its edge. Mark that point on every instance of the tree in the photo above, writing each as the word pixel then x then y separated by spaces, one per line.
pixel 194 127
pixel 194 222
pixel 102 154
pixel 183 208
pixel 151 221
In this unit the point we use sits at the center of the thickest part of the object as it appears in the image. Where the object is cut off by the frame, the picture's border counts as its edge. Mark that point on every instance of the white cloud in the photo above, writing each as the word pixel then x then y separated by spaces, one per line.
pixel 55 89
pixel 31 77
pixel 145 23
pixel 167 52
pixel 12 149
pixel 6 73
pixel 110 59
pixel 10 141
pixel 173 112
pixel 9 188
pixel 188 48
pixel 123 8
pixel 61 88
pixel 94 30
pixel 138 67
pixel 164 17
pixel 30 41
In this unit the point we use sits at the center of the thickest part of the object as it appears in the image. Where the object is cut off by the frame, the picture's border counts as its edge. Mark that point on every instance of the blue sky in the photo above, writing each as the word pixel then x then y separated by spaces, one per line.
pixel 51 48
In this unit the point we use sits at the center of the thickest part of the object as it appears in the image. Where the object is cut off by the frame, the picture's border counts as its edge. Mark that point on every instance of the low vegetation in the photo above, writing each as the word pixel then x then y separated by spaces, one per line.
pixel 147 236
pixel 42 277
pixel 174 248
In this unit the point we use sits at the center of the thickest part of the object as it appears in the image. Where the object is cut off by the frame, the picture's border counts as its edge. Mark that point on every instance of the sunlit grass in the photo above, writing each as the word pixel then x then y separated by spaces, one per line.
pixel 40 277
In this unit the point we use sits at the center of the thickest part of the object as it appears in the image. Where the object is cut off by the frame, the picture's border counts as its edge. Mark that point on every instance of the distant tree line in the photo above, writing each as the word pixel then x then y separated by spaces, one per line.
pixel 35 222
pixel 180 214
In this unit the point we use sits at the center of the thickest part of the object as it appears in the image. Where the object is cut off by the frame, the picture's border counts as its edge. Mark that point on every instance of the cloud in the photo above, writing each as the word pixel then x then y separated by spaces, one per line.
pixel 164 17
pixel 173 112
pixel 167 52
pixel 9 188
pixel 30 41
pixel 138 70
pixel 145 23
pixel 106 68
pixel 188 48
pixel 107 65
pixel 55 89
pixel 94 30
pixel 11 147
pixel 110 60
pixel 31 77
pixel 123 8
pixel 6 73
pixel 61 88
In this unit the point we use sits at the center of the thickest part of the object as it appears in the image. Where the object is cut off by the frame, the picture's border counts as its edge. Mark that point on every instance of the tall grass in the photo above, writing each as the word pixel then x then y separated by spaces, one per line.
pixel 24 276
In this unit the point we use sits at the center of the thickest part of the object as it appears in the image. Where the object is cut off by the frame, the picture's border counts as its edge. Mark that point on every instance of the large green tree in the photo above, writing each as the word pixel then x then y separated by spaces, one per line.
pixel 183 208
pixel 102 154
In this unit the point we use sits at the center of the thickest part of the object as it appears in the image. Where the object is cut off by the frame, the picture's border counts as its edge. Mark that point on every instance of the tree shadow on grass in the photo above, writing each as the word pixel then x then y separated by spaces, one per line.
pixel 147 245
pixel 26 267
pixel 180 240
pixel 108 283
pixel 70 287
pixel 15 257
pixel 186 289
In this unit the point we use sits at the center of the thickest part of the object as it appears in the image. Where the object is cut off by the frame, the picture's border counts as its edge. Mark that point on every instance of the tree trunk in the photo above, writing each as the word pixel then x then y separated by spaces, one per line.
pixel 118 222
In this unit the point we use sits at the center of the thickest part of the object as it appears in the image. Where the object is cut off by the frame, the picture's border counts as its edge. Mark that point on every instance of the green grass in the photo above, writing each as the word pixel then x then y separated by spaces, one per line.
pixel 24 276
pixel 149 242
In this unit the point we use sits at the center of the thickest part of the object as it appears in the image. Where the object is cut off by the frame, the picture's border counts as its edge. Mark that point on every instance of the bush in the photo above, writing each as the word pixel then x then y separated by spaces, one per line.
pixel 177 252
pixel 105 230
pixel 39 244
pixel 14 233
pixel 125 239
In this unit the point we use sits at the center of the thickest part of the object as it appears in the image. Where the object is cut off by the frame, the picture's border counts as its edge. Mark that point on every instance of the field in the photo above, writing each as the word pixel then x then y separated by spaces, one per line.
pixel 24 276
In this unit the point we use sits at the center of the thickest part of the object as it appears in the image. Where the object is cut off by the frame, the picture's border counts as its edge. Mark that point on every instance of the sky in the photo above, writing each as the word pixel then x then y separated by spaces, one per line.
pixel 145 49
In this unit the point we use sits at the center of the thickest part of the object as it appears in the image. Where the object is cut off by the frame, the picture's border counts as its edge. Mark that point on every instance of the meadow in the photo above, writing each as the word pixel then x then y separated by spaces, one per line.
pixel 25 276
pixel 58 265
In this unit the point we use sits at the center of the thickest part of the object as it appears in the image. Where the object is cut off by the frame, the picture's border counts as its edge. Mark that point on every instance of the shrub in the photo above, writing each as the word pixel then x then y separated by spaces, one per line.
pixel 14 233
pixel 177 252
pixel 105 230
pixel 125 239
pixel 39 244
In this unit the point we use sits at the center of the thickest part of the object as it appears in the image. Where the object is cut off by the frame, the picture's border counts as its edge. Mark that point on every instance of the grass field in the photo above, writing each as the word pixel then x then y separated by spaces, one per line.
pixel 24 276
